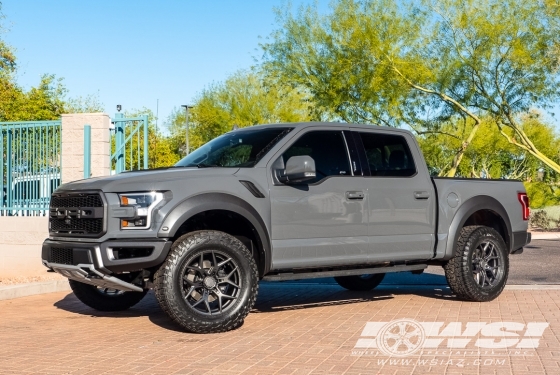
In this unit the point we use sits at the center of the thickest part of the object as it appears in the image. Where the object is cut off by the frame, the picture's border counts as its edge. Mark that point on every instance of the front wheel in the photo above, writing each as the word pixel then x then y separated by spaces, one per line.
pixel 105 299
pixel 360 282
pixel 479 270
pixel 208 283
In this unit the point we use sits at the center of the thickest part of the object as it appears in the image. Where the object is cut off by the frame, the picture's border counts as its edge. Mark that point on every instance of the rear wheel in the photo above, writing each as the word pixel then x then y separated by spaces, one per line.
pixel 479 270
pixel 360 282
pixel 105 299
pixel 208 283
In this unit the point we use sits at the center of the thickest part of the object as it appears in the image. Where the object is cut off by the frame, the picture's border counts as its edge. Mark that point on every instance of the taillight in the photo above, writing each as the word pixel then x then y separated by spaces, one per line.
pixel 524 200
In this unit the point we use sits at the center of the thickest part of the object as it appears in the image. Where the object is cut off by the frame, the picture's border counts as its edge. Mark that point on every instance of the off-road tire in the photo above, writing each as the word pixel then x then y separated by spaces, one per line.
pixel 171 283
pixel 460 270
pixel 103 299
pixel 360 282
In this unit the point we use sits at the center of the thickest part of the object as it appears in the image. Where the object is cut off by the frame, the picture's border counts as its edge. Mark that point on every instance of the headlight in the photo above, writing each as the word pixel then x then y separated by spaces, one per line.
pixel 143 204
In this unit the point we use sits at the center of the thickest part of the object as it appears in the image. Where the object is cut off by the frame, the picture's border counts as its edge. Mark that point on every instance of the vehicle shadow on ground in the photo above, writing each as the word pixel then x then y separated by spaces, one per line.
pixel 282 296
pixel 304 294
pixel 147 307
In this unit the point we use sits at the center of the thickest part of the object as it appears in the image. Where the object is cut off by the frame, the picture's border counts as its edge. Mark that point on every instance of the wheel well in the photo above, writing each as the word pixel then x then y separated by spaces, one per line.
pixel 490 219
pixel 231 223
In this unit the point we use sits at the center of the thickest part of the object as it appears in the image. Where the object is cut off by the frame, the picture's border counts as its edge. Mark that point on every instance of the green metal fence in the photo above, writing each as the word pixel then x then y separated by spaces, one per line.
pixel 129 143
pixel 31 166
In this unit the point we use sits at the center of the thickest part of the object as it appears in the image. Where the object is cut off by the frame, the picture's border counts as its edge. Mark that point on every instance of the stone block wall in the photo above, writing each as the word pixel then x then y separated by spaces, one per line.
pixel 21 238
pixel 73 145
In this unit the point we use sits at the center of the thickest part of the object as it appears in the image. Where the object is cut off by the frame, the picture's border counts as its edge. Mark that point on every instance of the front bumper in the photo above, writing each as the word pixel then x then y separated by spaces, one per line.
pixel 94 263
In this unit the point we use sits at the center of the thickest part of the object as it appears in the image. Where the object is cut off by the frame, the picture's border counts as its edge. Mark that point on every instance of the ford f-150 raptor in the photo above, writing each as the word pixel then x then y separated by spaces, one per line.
pixel 280 202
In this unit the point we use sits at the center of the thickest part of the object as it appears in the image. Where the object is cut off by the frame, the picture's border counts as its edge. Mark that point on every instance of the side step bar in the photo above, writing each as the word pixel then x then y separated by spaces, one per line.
pixel 359 271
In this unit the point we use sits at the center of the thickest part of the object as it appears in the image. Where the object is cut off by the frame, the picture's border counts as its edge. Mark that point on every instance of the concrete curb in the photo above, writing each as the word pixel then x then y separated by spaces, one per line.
pixel 545 235
pixel 30 289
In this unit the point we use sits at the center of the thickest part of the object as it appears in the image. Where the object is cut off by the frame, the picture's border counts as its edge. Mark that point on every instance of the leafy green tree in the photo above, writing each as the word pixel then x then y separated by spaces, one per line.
pixel 83 104
pixel 46 101
pixel 7 58
pixel 425 64
pixel 542 194
pixel 490 155
pixel 10 97
pixel 504 51
pixel 336 58
pixel 243 99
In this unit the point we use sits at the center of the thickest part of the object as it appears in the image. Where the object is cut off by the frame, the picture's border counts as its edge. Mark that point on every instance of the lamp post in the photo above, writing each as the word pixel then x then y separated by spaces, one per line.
pixel 187 107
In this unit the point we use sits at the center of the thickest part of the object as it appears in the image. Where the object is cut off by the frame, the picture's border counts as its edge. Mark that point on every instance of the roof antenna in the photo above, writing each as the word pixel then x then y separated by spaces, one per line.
pixel 235 127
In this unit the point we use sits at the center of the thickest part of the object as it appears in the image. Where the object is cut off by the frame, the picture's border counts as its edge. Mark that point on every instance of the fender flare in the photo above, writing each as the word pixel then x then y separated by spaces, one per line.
pixel 218 201
pixel 469 207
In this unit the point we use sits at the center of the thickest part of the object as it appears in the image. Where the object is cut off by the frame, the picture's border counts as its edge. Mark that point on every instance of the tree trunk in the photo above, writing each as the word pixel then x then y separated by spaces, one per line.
pixel 526 144
pixel 446 98
pixel 459 155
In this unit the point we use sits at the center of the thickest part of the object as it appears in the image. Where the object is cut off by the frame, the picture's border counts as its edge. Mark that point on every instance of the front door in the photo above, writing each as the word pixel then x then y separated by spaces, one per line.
pixel 323 221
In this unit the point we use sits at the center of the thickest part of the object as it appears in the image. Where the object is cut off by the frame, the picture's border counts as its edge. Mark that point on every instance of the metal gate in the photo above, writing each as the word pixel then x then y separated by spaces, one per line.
pixel 129 143
pixel 31 166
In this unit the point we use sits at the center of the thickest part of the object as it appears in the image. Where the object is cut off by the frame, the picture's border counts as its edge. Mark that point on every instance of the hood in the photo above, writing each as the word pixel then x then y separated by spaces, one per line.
pixel 146 180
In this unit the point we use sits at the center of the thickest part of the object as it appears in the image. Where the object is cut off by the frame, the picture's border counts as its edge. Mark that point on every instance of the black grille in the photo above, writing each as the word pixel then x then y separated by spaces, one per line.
pixel 67 213
pixel 92 200
pixel 62 256
pixel 77 226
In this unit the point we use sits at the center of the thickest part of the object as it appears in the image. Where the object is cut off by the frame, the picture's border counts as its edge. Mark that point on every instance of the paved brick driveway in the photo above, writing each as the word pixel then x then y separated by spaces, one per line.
pixel 294 329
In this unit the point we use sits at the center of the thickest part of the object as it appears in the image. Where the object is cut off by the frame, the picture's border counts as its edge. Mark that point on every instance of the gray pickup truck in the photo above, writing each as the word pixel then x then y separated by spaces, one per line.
pixel 280 202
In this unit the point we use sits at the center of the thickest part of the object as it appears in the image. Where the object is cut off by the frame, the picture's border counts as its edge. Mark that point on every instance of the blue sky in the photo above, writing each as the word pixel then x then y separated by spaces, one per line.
pixel 136 52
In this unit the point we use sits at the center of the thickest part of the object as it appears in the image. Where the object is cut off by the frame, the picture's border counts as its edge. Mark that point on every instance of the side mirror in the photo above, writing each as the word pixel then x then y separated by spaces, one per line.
pixel 298 169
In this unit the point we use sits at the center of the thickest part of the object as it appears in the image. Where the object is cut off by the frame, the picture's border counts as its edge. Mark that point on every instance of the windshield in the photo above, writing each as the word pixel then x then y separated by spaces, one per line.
pixel 241 149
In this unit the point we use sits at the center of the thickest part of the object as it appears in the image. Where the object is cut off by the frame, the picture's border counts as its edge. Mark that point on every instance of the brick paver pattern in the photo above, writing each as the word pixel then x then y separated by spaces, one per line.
pixel 293 329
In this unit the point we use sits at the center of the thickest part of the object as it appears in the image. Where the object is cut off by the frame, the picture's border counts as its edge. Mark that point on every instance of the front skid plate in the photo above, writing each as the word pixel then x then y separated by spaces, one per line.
pixel 92 277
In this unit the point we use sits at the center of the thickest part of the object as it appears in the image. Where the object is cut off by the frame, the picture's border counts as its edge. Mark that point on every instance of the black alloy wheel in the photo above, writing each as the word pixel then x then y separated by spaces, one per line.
pixel 211 282
pixel 208 283
pixel 479 270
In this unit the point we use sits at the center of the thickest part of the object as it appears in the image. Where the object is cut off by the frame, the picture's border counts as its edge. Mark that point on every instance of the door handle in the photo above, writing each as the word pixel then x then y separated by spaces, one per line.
pixel 421 195
pixel 355 195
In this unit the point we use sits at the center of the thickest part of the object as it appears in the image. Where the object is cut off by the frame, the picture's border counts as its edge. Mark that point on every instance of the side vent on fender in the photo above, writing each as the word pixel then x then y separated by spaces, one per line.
pixel 252 188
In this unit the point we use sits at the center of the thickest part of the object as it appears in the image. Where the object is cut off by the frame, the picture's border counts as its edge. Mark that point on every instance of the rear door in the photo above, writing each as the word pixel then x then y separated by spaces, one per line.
pixel 401 201
pixel 324 221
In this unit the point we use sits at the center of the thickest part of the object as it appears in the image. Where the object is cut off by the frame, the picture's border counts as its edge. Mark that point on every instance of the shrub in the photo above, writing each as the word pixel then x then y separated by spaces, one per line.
pixel 546 219
pixel 540 219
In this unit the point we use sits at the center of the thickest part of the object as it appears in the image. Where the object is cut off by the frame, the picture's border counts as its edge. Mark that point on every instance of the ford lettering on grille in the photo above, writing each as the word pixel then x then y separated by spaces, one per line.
pixel 76 214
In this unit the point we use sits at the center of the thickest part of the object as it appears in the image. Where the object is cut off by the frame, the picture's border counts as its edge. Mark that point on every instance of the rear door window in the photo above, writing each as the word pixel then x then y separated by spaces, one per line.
pixel 387 155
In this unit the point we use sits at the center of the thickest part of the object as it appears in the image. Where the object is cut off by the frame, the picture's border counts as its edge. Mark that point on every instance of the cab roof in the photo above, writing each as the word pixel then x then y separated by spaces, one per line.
pixel 324 124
